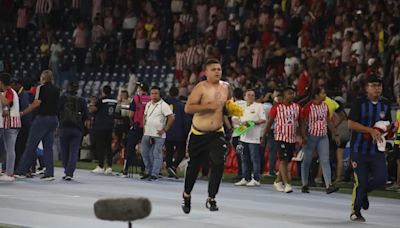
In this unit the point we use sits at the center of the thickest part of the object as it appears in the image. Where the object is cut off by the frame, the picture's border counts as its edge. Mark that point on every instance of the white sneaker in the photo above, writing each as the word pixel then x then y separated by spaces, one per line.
pixel 288 188
pixel 242 182
pixel 7 178
pixel 278 186
pixel 108 171
pixel 253 183
pixel 40 171
pixel 98 169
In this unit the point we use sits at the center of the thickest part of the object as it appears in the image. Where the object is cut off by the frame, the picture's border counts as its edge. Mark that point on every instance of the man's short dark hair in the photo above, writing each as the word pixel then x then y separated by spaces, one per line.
pixel 174 92
pixel 286 88
pixel 5 78
pixel 107 90
pixel 238 93
pixel 211 61
pixel 156 87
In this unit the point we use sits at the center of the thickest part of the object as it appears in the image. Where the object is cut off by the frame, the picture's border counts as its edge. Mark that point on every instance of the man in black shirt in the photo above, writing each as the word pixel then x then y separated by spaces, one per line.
pixel 103 125
pixel 73 112
pixel 369 163
pixel 45 123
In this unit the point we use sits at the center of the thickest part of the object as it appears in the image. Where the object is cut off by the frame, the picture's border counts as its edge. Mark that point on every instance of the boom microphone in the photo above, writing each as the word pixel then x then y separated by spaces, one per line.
pixel 122 209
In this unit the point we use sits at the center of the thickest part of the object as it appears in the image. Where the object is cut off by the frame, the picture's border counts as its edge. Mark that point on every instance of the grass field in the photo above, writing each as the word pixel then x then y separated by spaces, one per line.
pixel 344 187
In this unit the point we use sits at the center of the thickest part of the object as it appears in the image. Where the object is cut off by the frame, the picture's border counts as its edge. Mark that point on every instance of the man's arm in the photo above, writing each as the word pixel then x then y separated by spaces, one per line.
pixel 168 125
pixel 268 126
pixel 4 100
pixel 35 104
pixel 355 126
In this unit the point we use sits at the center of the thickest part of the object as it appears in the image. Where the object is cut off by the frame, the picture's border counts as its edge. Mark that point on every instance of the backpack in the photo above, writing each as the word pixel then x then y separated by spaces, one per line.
pixel 140 102
pixel 70 113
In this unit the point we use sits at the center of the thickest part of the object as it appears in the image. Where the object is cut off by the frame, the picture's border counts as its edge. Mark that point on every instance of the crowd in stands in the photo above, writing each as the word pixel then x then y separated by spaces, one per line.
pixel 263 45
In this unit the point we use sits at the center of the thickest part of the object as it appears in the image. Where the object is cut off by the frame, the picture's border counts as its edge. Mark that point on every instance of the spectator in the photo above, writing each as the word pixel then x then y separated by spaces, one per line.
pixel 56 54
pixel 177 134
pixel 250 141
pixel 10 123
pixel 285 135
pixel 136 117
pixel 158 119
pixel 44 54
pixel 315 123
pixel 73 113
pixel 25 99
pixel 101 136
pixel 43 127
pixel 80 42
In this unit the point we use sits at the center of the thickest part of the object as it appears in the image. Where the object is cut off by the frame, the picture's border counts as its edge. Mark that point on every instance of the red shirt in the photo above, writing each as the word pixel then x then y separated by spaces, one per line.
pixel 286 121
pixel 302 83
pixel 316 116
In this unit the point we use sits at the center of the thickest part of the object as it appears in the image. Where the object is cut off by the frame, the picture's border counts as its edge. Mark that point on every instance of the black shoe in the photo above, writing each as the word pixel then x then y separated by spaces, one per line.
pixel 67 178
pixel 172 172
pixel 357 217
pixel 152 178
pixel 145 176
pixel 332 189
pixel 365 202
pixel 47 178
pixel 305 189
pixel 211 204
pixel 186 204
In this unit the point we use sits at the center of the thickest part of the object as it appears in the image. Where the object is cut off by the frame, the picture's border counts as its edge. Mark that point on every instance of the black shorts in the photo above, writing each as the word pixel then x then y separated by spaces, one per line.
pixel 285 150
pixel 212 145
pixel 396 151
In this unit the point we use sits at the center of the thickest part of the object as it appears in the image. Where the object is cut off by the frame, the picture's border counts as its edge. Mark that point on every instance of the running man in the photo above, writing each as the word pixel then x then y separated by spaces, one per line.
pixel 207 102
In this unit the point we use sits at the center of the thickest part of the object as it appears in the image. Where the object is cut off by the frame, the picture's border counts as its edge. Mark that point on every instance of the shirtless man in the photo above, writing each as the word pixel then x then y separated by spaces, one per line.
pixel 207 102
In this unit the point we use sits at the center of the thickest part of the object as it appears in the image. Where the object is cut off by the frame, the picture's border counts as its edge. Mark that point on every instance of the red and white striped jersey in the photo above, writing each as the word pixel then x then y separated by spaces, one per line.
pixel 44 6
pixel 257 58
pixel 76 4
pixel 316 117
pixel 187 21
pixel 180 60
pixel 286 121
pixel 194 55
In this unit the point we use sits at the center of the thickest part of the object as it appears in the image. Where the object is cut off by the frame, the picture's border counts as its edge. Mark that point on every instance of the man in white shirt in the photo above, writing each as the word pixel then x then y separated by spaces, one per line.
pixel 158 119
pixel 290 64
pixel 251 141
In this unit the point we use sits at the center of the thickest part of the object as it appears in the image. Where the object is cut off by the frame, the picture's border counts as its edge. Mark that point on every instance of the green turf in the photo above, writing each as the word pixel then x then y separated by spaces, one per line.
pixel 346 188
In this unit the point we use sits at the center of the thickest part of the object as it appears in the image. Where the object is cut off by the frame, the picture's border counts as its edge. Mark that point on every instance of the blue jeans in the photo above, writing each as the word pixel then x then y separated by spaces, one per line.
pixel 370 173
pixel 9 137
pixel 70 140
pixel 251 158
pixel 42 129
pixel 321 144
pixel 152 154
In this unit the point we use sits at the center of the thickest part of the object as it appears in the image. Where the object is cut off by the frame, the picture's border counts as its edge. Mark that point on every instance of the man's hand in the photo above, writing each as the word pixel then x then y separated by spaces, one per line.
pixel 262 141
pixel 160 132
pixel 376 135
pixel 213 105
